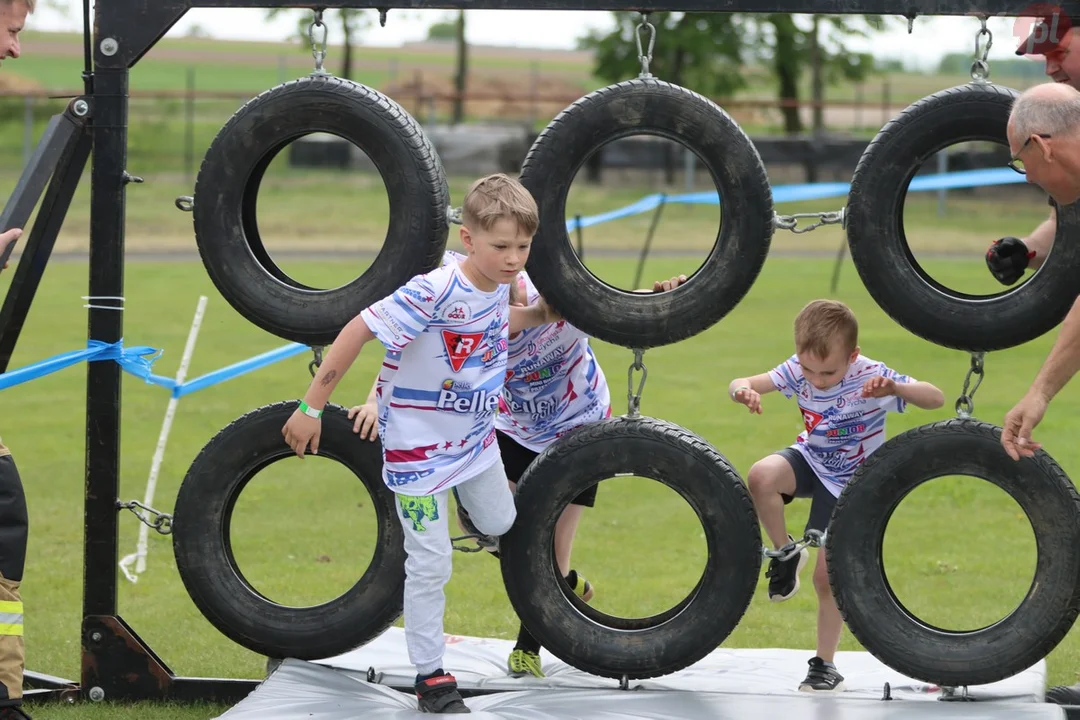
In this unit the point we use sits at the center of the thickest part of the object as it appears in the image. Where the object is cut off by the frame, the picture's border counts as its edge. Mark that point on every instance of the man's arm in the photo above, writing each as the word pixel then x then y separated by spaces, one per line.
pixel 1064 359
pixel 1041 240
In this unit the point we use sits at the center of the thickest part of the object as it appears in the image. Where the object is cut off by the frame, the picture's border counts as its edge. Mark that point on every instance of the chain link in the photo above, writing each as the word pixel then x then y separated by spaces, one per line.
pixel 789 222
pixel 318 47
pixel 633 401
pixel 965 404
pixel 162 522
pixel 643 57
pixel 313 366
pixel 980 68
pixel 812 538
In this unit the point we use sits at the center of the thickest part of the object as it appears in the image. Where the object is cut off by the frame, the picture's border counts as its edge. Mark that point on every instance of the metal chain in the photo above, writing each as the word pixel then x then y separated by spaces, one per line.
pixel 453 216
pixel 463 548
pixel 633 401
pixel 318 48
pixel 645 58
pixel 788 222
pixel 313 366
pixel 162 522
pixel 812 538
pixel 965 404
pixel 980 68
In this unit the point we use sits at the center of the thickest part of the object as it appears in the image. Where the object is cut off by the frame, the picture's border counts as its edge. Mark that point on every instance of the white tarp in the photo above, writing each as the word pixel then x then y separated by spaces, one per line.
pixel 736 684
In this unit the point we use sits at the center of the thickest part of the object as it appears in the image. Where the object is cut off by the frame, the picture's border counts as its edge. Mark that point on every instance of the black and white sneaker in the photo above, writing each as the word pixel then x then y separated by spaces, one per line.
pixel 784 574
pixel 439 694
pixel 822 677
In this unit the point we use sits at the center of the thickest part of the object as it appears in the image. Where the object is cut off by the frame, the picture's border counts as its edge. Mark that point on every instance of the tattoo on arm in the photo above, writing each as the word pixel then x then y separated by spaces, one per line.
pixel 329 378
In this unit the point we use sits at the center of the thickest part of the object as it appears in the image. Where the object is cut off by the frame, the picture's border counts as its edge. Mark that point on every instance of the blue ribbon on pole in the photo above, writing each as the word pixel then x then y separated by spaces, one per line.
pixel 131 359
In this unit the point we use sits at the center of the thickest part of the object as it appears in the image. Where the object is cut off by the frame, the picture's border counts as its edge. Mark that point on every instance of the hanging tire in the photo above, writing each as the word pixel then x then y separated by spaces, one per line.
pixel 648 106
pixel 880 251
pixel 602 644
pixel 227 188
pixel 201 542
pixel 877 618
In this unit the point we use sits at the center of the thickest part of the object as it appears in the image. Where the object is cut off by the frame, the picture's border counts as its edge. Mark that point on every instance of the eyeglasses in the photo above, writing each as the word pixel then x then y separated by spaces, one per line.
pixel 1016 163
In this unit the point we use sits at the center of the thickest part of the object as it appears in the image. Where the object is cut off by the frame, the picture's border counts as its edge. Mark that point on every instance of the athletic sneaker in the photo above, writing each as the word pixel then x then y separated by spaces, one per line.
pixel 784 574
pixel 487 542
pixel 439 694
pixel 524 662
pixel 822 677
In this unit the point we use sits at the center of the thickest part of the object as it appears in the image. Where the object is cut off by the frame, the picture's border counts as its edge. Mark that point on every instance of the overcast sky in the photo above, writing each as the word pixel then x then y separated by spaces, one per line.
pixel 932 36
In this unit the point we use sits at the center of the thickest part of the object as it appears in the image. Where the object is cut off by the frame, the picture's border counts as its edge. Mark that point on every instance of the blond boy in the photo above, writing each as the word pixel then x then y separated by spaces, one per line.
pixel 446 335
pixel 843 397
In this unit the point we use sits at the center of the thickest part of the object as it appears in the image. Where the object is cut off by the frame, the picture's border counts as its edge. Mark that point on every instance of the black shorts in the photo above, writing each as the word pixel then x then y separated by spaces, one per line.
pixel 517 458
pixel 807 485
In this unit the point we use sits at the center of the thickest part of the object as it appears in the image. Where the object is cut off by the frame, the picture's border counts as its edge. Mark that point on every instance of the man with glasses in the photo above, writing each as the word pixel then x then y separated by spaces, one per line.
pixel 1044 142
pixel 1051 37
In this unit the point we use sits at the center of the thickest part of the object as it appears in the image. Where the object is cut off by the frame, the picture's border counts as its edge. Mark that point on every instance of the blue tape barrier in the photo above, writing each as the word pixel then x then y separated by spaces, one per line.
pixel 134 361
pixel 807 191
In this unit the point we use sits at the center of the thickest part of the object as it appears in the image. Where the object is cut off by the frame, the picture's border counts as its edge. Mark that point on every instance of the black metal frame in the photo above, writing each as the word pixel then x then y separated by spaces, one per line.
pixel 116 663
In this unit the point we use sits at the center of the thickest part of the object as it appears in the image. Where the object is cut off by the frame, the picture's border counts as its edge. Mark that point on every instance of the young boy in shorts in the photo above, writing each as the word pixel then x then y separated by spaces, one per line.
pixel 446 334
pixel 553 385
pixel 844 397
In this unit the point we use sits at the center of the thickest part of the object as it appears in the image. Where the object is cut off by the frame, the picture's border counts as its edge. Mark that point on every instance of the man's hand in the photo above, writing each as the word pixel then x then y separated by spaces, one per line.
pixel 1007 259
pixel 879 386
pixel 365 416
pixel 1018 424
pixel 6 237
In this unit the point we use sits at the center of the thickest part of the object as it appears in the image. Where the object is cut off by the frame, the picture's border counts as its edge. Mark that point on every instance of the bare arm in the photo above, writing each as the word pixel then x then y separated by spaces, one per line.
pixel 921 394
pixel 1064 359
pixel 342 353
pixel 1041 239
pixel 760 384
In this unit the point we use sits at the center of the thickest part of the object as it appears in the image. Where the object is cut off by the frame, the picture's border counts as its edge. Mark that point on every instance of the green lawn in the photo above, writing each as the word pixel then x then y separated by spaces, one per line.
pixel 960 549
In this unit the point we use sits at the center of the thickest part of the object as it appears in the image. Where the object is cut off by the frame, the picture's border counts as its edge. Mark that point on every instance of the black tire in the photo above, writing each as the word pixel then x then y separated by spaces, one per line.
pixel 227 187
pixel 654 107
pixel 201 542
pixel 877 618
pixel 638 648
pixel 875 231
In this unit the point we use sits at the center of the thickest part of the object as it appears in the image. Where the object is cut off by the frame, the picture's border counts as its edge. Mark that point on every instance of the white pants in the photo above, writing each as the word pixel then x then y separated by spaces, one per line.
pixel 426 518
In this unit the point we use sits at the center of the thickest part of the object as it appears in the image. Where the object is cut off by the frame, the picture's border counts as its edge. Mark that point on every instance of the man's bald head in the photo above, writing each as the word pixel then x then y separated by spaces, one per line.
pixel 30 4
pixel 1051 108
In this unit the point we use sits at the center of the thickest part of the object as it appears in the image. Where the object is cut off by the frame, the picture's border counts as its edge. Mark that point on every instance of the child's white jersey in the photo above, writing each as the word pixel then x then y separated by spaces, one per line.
pixel 841 428
pixel 439 386
pixel 553 382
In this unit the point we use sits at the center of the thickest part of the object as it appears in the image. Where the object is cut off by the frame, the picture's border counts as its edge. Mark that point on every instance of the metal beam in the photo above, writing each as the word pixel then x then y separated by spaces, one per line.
pixel 125 31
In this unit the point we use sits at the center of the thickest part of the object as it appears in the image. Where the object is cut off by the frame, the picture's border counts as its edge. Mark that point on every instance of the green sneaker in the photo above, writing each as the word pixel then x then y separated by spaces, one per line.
pixel 524 662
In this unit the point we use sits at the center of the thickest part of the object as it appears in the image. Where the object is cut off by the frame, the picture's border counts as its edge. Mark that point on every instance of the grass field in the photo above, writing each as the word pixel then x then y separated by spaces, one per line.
pixel 958 551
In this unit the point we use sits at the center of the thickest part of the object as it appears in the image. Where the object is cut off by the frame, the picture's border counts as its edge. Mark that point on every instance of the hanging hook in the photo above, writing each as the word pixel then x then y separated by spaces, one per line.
pixel 643 57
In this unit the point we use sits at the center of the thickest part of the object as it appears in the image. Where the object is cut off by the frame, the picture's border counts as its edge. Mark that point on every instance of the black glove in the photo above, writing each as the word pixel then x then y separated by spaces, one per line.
pixel 1007 259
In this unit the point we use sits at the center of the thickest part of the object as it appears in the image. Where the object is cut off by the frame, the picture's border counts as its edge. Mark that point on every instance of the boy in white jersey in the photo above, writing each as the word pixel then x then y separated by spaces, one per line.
pixel 445 334
pixel 553 384
pixel 844 397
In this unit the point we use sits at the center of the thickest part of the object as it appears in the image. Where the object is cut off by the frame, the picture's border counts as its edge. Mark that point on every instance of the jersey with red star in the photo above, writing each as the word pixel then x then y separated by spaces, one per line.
pixel 439 386
pixel 840 427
